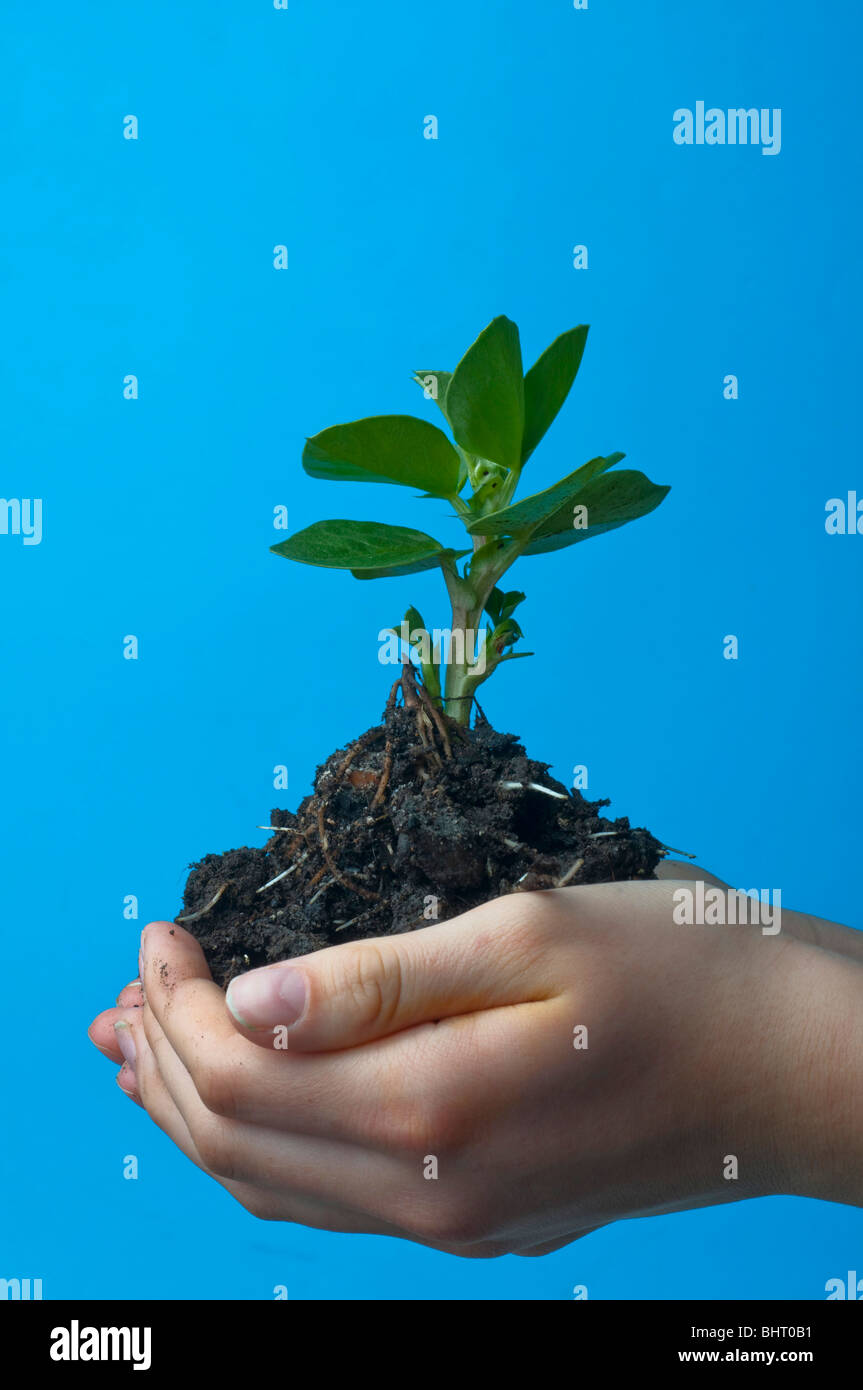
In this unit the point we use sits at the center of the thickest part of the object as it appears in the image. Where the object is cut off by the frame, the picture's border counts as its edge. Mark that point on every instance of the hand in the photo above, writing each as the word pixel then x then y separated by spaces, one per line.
pixel 431 1088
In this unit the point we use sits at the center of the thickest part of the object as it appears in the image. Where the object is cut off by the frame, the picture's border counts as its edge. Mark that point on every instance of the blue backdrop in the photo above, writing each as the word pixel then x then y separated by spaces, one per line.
pixel 154 257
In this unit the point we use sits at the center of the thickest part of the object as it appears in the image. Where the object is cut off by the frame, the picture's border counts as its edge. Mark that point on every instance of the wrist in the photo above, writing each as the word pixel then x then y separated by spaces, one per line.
pixel 814 1147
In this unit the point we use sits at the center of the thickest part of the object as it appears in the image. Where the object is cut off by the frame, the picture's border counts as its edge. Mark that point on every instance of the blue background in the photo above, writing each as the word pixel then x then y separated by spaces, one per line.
pixel 260 127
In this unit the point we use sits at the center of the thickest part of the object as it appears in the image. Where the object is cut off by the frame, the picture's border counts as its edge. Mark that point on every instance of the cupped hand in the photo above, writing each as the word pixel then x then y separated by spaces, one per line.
pixel 514 1078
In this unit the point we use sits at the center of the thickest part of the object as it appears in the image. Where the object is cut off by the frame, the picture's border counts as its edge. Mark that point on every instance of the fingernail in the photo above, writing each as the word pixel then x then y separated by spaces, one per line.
pixel 125 1041
pixel 266 997
pixel 125 1074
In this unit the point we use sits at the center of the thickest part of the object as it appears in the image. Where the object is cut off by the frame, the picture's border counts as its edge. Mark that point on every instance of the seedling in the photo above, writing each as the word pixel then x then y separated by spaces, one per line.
pixel 497 416
pixel 419 818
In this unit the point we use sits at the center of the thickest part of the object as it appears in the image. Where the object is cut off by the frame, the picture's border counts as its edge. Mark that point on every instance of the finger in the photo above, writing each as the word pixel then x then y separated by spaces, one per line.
pixel 177 979
pixel 170 959
pixel 346 995
pixel 677 868
pixel 266 1173
pixel 231 1077
pixel 335 1172
pixel 125 1079
pixel 156 1097
pixel 188 1006
pixel 101 1030
pixel 101 1034
pixel 130 996
pixel 363 1096
pixel 125 1037
pixel 379 1188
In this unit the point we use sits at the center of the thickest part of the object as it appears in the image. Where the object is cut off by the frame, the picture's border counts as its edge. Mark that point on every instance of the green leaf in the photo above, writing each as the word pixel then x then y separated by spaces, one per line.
pixel 386 449
pixel 414 619
pixel 493 605
pixel 439 383
pixel 610 501
pixel 389 572
pixel 369 549
pixel 505 633
pixel 500 605
pixel 509 603
pixel 485 398
pixel 523 517
pixel 548 384
pixel 435 385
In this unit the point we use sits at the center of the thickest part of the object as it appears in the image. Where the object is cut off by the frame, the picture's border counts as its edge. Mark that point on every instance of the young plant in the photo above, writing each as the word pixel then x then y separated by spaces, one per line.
pixel 497 416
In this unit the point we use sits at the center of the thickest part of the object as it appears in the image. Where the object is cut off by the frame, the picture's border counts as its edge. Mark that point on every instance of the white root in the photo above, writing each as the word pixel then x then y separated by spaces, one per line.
pixel 535 787
pixel 570 873
pixel 302 859
pixel 278 877
pixel 343 926
pixel 193 916
pixel 532 787
pixel 328 883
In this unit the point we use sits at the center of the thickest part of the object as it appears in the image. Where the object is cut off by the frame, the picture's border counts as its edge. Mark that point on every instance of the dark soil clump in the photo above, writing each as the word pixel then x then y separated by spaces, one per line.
pixel 397 835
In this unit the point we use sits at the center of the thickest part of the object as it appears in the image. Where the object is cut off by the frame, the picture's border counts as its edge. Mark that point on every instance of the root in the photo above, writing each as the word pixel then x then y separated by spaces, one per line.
pixel 280 876
pixel 343 926
pixel 369 737
pixel 570 874
pixel 481 714
pixel 193 916
pixel 428 715
pixel 536 787
pixel 433 713
pixel 323 888
pixel 407 684
pixel 392 697
pixel 384 777
pixel 322 834
pixel 435 729
pixel 358 888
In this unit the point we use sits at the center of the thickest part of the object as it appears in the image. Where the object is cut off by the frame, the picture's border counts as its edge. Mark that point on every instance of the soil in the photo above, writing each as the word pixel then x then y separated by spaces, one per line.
pixel 416 821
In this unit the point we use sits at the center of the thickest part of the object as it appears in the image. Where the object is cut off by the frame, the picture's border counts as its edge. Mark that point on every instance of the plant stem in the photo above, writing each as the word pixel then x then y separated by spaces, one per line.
pixel 468 597
pixel 457 689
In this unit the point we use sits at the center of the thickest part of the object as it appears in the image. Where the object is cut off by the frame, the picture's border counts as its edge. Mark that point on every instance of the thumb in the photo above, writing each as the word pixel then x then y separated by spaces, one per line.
pixel 346 995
